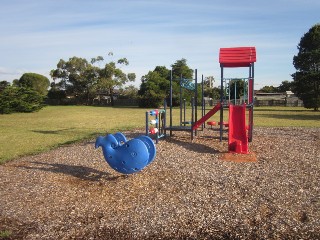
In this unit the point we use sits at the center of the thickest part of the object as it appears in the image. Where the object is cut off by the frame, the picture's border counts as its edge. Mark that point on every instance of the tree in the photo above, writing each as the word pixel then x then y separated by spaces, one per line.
pixel 268 89
pixel 180 68
pixel 57 91
pixel 111 76
pixel 208 82
pixel 307 64
pixel 152 90
pixel 36 82
pixel 213 93
pixel 77 77
pixel 3 85
pixel 129 92
pixel 56 96
pixel 209 90
pixel 216 93
pixel 155 85
pixel 163 72
pixel 285 86
pixel 15 82
pixel 84 79
pixel 236 87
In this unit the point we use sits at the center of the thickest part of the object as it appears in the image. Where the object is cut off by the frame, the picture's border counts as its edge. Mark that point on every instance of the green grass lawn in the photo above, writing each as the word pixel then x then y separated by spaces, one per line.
pixel 281 117
pixel 286 117
pixel 28 133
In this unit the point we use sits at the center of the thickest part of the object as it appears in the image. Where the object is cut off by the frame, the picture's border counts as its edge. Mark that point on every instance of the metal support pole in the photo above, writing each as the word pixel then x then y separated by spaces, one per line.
pixel 180 100
pixel 157 127
pixel 245 91
pixel 235 92
pixel 165 117
pixel 202 101
pixel 184 112
pixel 196 99
pixel 251 76
pixel 221 101
pixel 170 103
pixel 229 90
pixel 192 114
pixel 147 123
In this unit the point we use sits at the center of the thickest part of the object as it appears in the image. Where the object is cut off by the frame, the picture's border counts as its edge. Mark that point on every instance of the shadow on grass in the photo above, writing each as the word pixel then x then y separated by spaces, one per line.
pixel 257 109
pixel 292 116
pixel 81 172
pixel 52 131
pixel 116 106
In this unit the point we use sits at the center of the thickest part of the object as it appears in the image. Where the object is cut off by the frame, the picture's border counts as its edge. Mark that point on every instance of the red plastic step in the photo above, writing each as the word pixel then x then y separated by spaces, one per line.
pixel 211 123
pixel 226 124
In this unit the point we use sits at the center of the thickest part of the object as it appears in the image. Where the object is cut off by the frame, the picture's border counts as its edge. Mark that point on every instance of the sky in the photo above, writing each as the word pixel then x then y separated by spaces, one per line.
pixel 36 34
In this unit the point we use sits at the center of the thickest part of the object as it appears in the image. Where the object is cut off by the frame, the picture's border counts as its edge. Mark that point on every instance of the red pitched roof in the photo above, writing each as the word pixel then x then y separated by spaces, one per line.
pixel 237 57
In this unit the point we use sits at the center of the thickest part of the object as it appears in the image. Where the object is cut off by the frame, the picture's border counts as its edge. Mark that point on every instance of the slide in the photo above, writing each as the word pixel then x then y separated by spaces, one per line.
pixel 238 139
pixel 206 117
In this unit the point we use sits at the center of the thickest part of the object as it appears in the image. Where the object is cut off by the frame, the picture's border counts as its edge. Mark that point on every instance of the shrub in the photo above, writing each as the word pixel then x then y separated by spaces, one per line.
pixel 20 99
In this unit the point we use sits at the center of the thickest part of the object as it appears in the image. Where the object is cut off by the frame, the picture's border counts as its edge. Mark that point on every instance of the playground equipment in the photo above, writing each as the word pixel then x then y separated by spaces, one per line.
pixel 132 156
pixel 239 131
pixel 192 86
pixel 238 138
pixel 127 156
pixel 158 123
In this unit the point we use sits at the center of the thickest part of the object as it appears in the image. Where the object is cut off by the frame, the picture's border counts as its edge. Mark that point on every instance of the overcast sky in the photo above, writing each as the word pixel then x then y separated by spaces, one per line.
pixel 36 34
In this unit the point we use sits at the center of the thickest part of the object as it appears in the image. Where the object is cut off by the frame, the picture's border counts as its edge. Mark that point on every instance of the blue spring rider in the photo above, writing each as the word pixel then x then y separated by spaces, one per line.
pixel 127 156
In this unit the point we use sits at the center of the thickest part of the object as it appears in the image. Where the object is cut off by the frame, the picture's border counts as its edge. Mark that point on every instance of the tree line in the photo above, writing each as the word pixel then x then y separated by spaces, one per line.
pixel 84 80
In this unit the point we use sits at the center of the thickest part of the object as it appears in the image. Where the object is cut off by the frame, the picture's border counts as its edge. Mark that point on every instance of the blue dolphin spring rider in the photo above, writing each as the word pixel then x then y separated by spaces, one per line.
pixel 127 156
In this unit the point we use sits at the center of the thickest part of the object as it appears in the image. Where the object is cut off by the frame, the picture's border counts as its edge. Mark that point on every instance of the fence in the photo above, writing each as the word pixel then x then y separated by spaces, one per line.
pixel 126 102
pixel 134 102
pixel 95 102
pixel 260 103
pixel 282 103
pixel 117 102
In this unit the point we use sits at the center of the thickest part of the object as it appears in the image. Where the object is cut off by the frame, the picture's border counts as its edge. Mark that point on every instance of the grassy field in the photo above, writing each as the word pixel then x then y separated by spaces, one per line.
pixel 26 133
pixel 282 117
pixel 29 133
pixel 286 117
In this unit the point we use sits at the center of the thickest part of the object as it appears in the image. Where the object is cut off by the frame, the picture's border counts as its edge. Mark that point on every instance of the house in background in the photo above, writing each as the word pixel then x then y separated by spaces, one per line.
pixel 287 99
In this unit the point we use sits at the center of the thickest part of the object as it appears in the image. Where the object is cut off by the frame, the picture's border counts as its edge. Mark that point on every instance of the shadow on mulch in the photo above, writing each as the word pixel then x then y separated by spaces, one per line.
pixel 193 146
pixel 15 229
pixel 81 172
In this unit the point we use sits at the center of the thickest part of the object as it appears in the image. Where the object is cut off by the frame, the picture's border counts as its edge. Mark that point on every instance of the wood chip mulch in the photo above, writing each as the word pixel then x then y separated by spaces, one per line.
pixel 190 191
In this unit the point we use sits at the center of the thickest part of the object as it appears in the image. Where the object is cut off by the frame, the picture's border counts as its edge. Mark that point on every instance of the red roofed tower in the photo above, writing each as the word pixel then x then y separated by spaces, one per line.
pixel 233 58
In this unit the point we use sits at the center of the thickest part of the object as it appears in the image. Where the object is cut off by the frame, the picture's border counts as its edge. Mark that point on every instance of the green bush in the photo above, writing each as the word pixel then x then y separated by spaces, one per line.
pixel 20 99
